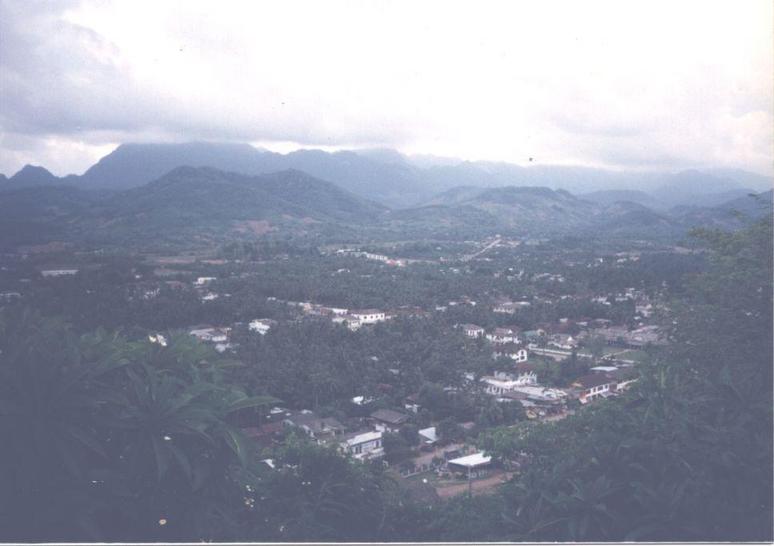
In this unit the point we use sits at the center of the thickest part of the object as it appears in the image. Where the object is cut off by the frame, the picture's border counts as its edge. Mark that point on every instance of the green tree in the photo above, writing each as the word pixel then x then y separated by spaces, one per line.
pixel 113 440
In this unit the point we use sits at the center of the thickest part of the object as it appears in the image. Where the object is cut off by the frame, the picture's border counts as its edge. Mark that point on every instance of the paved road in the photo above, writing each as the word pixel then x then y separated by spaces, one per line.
pixel 480 252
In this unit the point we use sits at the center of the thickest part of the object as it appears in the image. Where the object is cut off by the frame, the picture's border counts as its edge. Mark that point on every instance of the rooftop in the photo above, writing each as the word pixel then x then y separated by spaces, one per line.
pixel 360 438
pixel 472 461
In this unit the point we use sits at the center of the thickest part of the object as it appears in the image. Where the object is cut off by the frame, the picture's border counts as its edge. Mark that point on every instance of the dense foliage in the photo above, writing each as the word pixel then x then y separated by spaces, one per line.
pixel 113 438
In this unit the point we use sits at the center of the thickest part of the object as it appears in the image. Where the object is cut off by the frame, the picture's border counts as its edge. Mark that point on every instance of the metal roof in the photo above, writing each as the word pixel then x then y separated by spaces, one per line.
pixel 471 461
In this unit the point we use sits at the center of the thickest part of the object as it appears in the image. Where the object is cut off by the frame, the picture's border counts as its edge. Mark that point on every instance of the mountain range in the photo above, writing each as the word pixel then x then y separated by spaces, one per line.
pixel 201 206
pixel 399 181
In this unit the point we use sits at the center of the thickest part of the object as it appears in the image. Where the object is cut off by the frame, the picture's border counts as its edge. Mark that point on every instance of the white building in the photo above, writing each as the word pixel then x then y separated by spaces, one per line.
pixel 502 383
pixel 201 281
pixel 510 307
pixel 58 272
pixel 503 335
pixel 594 386
pixel 563 341
pixel 369 316
pixel 211 335
pixel 261 326
pixel 350 321
pixel 472 330
pixel 363 445
pixel 158 339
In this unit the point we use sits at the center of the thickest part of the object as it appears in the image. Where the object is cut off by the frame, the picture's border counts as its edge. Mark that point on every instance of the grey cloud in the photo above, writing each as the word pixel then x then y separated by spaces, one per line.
pixel 55 84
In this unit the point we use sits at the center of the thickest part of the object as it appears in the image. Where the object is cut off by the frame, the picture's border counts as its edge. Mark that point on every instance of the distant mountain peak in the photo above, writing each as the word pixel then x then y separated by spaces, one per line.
pixel 29 169
pixel 33 175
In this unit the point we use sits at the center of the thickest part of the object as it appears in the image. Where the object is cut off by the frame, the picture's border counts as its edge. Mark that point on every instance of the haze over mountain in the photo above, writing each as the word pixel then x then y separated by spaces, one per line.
pixel 395 180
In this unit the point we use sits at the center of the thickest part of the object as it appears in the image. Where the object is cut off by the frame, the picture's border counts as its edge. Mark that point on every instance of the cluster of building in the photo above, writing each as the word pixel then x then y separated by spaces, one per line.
pixel 359 437
pixel 354 319
pixel 399 262
pixel 506 341
pixel 363 439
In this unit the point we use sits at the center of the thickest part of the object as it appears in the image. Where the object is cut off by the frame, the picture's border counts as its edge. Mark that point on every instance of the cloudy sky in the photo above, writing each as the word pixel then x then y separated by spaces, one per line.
pixel 625 84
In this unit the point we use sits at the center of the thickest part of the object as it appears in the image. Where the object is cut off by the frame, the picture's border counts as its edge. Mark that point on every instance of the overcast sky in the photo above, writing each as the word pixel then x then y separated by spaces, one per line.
pixel 623 84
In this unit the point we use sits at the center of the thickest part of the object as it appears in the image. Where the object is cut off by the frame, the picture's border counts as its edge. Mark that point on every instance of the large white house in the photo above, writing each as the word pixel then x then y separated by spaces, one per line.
pixel 502 383
pixel 363 445
pixel 368 316
pixel 503 335
pixel 472 330
pixel 594 386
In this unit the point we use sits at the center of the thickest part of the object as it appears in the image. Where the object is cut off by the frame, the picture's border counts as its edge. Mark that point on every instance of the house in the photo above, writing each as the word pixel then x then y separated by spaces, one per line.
pixel 278 414
pixel 510 307
pixel 389 420
pixel 362 445
pixel 645 335
pixel 503 382
pixel 622 377
pixel 58 272
pixel 158 339
pixel 318 428
pixel 512 351
pixel 411 403
pixel 472 330
pixel 350 321
pixel 543 396
pixel 594 386
pixel 211 335
pixel 261 326
pixel 362 400
pixel 604 369
pixel 503 335
pixel 563 341
pixel 201 281
pixel 369 316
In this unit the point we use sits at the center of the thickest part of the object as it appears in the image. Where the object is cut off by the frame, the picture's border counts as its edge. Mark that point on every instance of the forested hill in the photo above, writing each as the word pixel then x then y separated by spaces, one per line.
pixel 201 206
